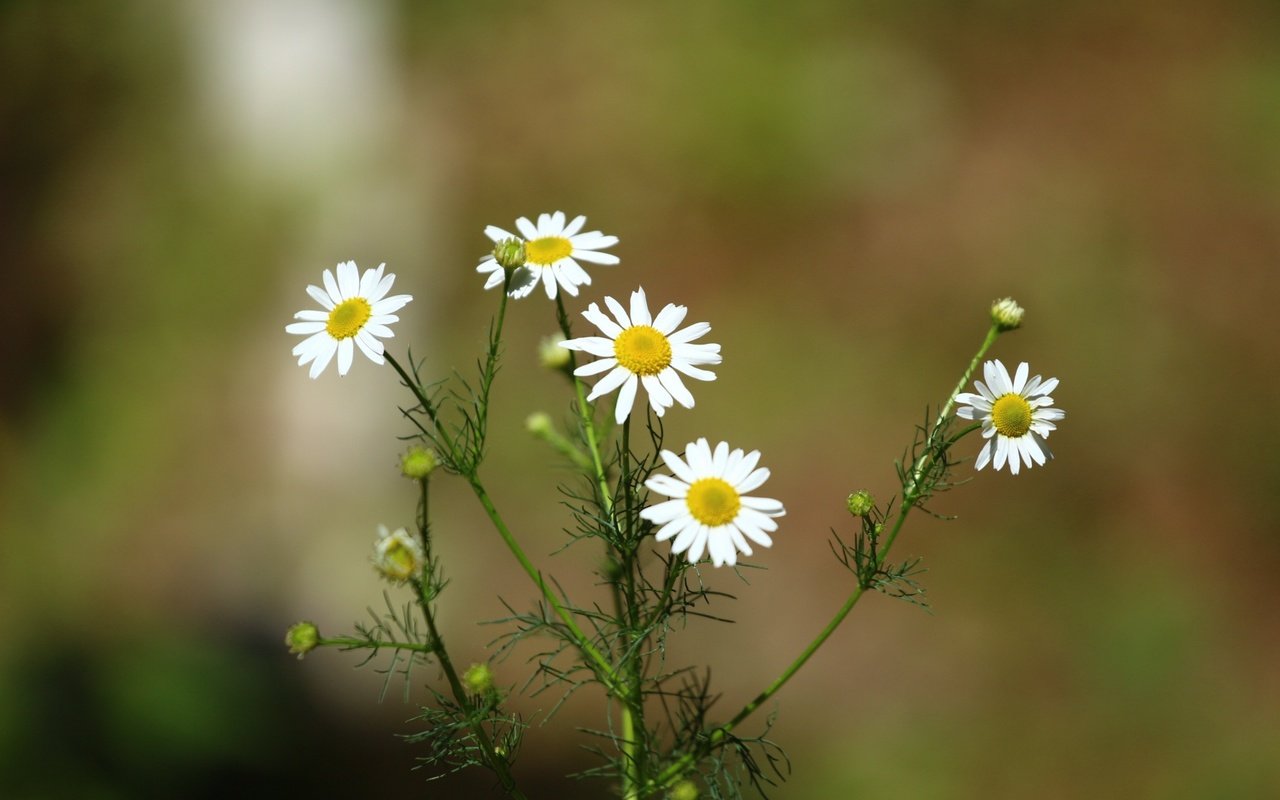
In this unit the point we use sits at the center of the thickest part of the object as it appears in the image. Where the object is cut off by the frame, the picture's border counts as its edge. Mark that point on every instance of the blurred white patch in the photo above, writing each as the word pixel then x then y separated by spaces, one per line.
pixel 291 86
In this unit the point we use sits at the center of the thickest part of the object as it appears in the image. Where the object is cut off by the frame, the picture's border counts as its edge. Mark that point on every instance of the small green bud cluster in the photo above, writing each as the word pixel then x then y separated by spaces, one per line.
pixel 539 424
pixel 861 503
pixel 1006 314
pixel 302 638
pixel 551 355
pixel 479 681
pixel 418 462
pixel 509 253
pixel 684 790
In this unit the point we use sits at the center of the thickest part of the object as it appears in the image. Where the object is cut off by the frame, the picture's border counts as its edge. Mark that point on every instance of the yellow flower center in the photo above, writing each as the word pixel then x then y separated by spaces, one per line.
pixel 348 317
pixel 713 502
pixel 643 350
pixel 399 562
pixel 548 250
pixel 1011 415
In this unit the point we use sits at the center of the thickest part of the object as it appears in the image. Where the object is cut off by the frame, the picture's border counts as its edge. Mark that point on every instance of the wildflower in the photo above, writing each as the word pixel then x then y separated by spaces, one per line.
pixel 302 638
pixel 356 314
pixel 552 251
pixel 710 510
pixel 1016 416
pixel 418 462
pixel 1006 314
pixel 478 679
pixel 640 349
pixel 397 555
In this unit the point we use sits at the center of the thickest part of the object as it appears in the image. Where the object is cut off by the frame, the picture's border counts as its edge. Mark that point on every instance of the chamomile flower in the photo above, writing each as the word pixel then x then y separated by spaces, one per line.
pixel 638 348
pixel 398 555
pixel 552 252
pixel 357 312
pixel 1016 415
pixel 710 510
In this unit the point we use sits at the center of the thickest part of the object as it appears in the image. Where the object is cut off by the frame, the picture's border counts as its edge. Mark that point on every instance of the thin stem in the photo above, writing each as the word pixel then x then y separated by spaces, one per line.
pixel 909 497
pixel 587 419
pixel 352 643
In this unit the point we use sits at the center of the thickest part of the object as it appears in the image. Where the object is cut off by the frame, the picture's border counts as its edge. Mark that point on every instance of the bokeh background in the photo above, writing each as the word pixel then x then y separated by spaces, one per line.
pixel 841 189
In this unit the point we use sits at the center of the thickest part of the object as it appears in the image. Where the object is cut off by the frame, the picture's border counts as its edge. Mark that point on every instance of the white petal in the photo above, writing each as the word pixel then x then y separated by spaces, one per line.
pixel 698 454
pixel 700 535
pixel 965 412
pixel 321 297
pixel 754 534
pixel 687 537
pixel 753 481
pixel 984 455
pixel 495 279
pixel 331 286
pixel 593 240
pixel 573 227
pixel 690 333
pixel 678 467
pixel 323 356
pixel 673 527
pixel 595 345
pixel 665 484
pixel 671 381
pixel 390 305
pixel 669 318
pixel 1020 377
pixel 984 391
pixel 737 472
pixel 720 459
pixel 659 397
pixel 346 354
pixel 1047 387
pixel 1002 452
pixel 497 234
pixel 693 372
pixel 619 313
pixel 349 284
pixel 1006 385
pixel 369 353
pixel 596 367
pixel 758 520
pixel 640 308
pixel 603 259
pixel 526 228
pixel 598 318
pixel 626 396
pixel 665 511
pixel 609 382
pixel 549 283
pixel 304 327
pixel 765 505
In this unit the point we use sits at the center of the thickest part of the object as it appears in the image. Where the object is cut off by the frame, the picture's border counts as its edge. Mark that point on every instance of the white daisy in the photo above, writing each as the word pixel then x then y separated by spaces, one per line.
pixel 398 555
pixel 710 510
pixel 552 252
pixel 641 349
pixel 1016 416
pixel 356 313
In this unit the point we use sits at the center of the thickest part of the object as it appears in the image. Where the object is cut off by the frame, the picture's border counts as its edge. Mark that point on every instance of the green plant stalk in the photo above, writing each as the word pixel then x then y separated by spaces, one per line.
pixel 630 701
pixel 909 496
pixel 603 667
pixel 352 643
pixel 496 762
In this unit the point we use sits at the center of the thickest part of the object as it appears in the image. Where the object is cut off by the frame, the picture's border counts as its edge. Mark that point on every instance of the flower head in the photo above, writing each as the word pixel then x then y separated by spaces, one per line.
pixel 861 503
pixel 1006 314
pixel 397 555
pixel 418 462
pixel 552 251
pixel 1016 415
pixel 641 349
pixel 550 354
pixel 302 638
pixel 478 679
pixel 710 510
pixel 357 312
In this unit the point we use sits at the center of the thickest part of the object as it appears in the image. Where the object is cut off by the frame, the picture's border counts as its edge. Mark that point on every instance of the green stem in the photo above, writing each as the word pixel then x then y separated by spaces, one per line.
pixel 909 497
pixel 352 643
pixel 587 419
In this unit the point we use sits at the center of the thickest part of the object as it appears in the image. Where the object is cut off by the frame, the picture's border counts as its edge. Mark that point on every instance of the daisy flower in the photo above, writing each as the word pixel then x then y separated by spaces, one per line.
pixel 710 510
pixel 641 349
pixel 1016 416
pixel 398 555
pixel 356 314
pixel 552 252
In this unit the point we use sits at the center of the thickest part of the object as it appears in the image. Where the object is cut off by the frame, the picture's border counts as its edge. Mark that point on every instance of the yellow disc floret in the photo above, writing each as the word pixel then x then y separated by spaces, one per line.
pixel 348 317
pixel 713 502
pixel 548 250
pixel 643 350
pixel 1011 415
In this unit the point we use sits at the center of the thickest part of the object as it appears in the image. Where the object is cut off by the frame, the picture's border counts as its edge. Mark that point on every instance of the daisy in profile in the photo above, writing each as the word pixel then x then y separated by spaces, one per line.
pixel 552 252
pixel 639 349
pixel 1016 415
pixel 357 313
pixel 710 510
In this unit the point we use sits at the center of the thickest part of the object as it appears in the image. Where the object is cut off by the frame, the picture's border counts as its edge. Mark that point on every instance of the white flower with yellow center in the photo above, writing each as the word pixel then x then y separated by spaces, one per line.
pixel 710 510
pixel 642 349
pixel 1016 415
pixel 356 313
pixel 552 252
pixel 398 555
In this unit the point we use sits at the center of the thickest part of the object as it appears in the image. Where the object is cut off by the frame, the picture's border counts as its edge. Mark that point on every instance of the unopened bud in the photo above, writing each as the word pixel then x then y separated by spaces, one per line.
pixel 397 555
pixel 418 462
pixel 509 253
pixel 861 503
pixel 551 354
pixel 302 638
pixel 1006 314
pixel 478 679
pixel 538 423
pixel 684 790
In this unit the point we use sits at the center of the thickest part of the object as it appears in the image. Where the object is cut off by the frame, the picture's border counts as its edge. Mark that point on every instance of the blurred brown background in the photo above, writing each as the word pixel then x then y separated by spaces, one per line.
pixel 840 189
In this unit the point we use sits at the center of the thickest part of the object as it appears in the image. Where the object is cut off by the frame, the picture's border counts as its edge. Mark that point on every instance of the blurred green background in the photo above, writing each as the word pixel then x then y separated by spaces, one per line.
pixel 840 188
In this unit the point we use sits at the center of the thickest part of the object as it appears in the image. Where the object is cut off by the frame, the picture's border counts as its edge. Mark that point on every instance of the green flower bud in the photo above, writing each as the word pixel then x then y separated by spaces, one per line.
pixel 509 253
pixel 551 354
pixel 418 462
pixel 302 638
pixel 539 424
pixel 1006 314
pixel 861 503
pixel 684 790
pixel 478 679
pixel 398 555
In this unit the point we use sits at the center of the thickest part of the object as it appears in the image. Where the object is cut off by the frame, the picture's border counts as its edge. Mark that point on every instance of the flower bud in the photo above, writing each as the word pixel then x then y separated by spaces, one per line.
pixel 684 790
pixel 418 462
pixel 302 638
pixel 478 679
pixel 1006 314
pixel 551 354
pixel 861 503
pixel 509 253
pixel 539 424
pixel 397 555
